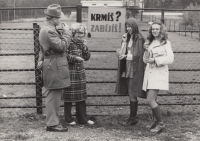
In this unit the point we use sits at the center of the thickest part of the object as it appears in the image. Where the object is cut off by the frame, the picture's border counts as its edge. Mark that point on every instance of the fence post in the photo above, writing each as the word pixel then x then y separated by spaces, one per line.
pixel 8 15
pixel 174 25
pixel 199 34
pixel 185 29
pixel 79 13
pixel 38 79
pixel 162 16
pixel 1 16
pixel 192 31
pixel 35 13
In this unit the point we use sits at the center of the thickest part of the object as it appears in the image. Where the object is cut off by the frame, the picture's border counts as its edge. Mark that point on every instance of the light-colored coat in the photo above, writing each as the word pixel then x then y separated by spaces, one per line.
pixel 53 54
pixel 157 75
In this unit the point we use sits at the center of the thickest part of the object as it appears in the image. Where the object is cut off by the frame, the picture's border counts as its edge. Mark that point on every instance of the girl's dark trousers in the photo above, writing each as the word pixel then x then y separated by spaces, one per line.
pixel 80 112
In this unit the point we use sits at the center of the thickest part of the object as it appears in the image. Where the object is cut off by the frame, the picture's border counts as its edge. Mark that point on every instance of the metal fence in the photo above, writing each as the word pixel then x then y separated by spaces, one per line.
pixel 29 14
pixel 22 81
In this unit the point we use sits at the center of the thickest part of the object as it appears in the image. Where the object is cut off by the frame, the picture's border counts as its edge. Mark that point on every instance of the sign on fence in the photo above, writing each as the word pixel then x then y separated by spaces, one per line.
pixel 106 22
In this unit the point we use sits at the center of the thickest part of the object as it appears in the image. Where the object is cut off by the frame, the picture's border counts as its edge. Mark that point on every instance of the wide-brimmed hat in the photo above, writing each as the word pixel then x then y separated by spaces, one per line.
pixel 53 10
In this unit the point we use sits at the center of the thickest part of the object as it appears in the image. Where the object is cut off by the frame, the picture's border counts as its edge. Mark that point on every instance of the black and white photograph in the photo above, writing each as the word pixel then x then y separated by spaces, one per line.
pixel 100 70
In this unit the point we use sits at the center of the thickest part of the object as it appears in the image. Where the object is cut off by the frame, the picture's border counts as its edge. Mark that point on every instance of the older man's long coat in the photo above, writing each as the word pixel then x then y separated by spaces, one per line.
pixel 138 71
pixel 53 54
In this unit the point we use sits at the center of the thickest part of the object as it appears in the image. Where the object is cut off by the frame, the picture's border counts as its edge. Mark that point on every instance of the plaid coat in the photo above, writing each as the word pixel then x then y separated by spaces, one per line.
pixel 77 91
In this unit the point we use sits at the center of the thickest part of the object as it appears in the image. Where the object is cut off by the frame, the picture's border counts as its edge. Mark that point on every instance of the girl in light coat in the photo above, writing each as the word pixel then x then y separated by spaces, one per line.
pixel 158 56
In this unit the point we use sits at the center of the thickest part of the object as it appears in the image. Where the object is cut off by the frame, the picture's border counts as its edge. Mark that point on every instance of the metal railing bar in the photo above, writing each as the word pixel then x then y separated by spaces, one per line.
pixel 105 82
pixel 21 83
pixel 127 8
pixel 28 8
pixel 169 82
pixel 102 95
pixel 116 69
pixel 21 54
pixel 117 105
pixel 16 28
pixel 5 70
pixel 16 54
pixel 115 51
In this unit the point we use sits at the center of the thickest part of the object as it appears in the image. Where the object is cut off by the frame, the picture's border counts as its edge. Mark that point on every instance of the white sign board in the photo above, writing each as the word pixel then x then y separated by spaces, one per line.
pixel 106 22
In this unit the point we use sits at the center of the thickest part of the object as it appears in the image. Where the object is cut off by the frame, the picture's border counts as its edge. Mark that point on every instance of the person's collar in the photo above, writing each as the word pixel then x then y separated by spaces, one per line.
pixel 50 24
pixel 77 40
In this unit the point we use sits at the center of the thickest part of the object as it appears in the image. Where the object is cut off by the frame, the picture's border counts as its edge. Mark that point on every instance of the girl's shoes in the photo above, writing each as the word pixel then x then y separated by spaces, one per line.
pixel 90 122
pixel 159 127
pixel 131 121
pixel 153 125
pixel 72 123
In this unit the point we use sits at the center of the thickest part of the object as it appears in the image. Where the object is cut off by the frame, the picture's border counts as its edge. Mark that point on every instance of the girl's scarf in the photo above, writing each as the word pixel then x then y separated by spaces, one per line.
pixel 77 40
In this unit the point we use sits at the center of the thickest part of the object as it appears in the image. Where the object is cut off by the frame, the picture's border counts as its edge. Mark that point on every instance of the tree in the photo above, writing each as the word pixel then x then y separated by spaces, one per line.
pixel 186 3
pixel 192 17
pixel 37 3
pixel 158 3
pixel 3 3
pixel 166 3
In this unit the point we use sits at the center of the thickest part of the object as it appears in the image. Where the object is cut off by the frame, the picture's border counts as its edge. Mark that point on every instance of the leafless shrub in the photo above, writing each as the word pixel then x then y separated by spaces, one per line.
pixel 192 17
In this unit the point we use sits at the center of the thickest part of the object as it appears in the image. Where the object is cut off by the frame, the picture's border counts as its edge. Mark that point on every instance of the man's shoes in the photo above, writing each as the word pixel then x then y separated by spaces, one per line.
pixel 57 128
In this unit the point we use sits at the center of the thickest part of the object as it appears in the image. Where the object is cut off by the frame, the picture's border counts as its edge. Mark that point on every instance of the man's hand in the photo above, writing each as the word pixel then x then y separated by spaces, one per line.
pixel 65 27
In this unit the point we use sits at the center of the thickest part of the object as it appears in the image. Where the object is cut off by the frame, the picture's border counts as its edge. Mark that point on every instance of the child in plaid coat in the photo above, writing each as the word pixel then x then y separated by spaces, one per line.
pixel 77 93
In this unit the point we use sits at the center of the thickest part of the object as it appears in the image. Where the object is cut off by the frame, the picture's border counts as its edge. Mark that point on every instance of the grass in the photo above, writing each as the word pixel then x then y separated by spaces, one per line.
pixel 180 126
pixel 182 122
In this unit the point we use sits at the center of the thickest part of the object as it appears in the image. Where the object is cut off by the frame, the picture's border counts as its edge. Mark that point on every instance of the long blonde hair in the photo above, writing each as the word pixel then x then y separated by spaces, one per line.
pixel 163 35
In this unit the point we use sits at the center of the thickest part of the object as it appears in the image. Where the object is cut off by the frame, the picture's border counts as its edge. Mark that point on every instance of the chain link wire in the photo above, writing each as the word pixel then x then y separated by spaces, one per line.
pixel 20 82
pixel 184 72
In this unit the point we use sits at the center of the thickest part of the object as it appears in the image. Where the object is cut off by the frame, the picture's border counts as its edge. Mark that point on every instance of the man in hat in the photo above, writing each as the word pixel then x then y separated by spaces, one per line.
pixel 53 60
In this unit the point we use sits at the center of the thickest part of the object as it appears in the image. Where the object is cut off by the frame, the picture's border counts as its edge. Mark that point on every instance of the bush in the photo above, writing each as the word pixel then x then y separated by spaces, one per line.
pixel 192 17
